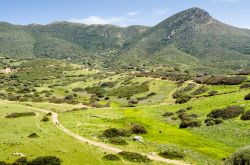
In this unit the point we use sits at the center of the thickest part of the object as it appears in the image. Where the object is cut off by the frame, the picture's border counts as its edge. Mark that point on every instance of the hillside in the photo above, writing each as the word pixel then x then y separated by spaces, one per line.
pixel 191 39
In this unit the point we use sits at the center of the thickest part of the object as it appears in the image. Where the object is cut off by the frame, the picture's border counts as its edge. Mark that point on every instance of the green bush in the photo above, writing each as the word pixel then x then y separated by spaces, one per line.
pixel 200 90
pixel 190 123
pixel 46 160
pixel 245 116
pixel 247 97
pixel 33 135
pixel 134 157
pixel 111 157
pixel 240 157
pixel 45 119
pixel 213 121
pixel 129 91
pixel 244 86
pixel 114 132
pixel 172 154
pixel 20 114
pixel 224 80
pixel 212 93
pixel 168 114
pixel 183 99
pixel 138 129
pixel 118 141
pixel 227 113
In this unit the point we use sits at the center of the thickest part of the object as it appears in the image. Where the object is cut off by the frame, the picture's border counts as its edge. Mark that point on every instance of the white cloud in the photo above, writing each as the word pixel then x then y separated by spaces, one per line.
pixel 157 12
pixel 97 20
pixel 132 13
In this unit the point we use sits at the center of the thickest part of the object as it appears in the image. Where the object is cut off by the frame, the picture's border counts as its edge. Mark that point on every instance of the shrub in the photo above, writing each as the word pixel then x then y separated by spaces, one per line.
pixel 111 157
pixel 244 86
pixel 113 132
pixel 213 121
pixel 134 157
pixel 133 101
pixel 245 116
pixel 33 135
pixel 21 161
pixel 190 123
pixel 20 114
pixel 226 113
pixel 172 154
pixel 118 141
pixel 174 118
pixel 138 129
pixel 78 89
pixel 180 111
pixel 183 99
pixel 247 97
pixel 46 160
pixel 189 108
pixel 212 93
pixel 240 157
pixel 167 114
pixel 200 90
pixel 45 119
pixel 223 80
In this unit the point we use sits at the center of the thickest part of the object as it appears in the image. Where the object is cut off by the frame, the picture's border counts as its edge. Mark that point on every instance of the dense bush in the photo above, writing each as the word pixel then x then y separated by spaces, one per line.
pixel 240 157
pixel 167 114
pixel 111 157
pixel 223 80
pixel 138 129
pixel 190 123
pixel 45 119
pixel 245 116
pixel 118 141
pixel 33 135
pixel 213 121
pixel 114 132
pixel 200 90
pixel 212 93
pixel 78 89
pixel 134 157
pixel 183 99
pixel 20 114
pixel 243 86
pixel 172 154
pixel 247 97
pixel 46 160
pixel 227 113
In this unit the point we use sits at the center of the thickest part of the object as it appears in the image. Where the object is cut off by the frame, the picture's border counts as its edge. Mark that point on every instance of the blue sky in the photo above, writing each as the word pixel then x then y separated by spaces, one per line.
pixel 118 12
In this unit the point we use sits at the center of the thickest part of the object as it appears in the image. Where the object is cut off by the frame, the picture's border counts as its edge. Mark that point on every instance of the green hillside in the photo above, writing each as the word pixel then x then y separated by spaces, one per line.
pixel 191 39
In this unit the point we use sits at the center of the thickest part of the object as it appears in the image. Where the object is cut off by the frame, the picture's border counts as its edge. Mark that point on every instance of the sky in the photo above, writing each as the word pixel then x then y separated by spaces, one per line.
pixel 119 12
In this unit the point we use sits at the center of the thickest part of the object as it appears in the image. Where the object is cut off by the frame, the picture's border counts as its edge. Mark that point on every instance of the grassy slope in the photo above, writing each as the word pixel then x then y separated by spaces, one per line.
pixel 52 141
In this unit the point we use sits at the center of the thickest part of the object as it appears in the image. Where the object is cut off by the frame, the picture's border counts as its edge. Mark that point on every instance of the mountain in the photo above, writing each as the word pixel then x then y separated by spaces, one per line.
pixel 191 39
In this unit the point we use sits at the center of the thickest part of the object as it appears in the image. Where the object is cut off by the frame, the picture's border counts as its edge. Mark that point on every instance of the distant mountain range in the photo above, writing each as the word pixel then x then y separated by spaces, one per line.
pixel 191 39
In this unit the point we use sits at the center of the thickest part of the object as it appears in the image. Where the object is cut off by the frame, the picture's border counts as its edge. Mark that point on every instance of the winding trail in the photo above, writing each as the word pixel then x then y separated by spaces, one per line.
pixel 99 144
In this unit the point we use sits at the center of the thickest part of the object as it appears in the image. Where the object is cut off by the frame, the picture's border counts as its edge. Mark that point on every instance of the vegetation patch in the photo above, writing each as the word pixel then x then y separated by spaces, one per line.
pixel 172 154
pixel 213 121
pixel 20 114
pixel 247 97
pixel 168 114
pixel 114 132
pixel 245 115
pixel 138 129
pixel 227 113
pixel 134 157
pixel 33 135
pixel 190 123
pixel 111 157
pixel 45 160
pixel 129 91
pixel 223 80
pixel 45 119
pixel 118 141
pixel 240 157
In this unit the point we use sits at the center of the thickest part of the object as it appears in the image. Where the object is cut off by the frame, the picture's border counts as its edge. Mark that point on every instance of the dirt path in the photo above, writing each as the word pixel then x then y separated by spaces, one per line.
pixel 99 144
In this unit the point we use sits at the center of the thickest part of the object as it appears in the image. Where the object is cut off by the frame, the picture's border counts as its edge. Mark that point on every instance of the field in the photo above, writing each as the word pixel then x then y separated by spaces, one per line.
pixel 88 102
